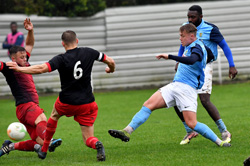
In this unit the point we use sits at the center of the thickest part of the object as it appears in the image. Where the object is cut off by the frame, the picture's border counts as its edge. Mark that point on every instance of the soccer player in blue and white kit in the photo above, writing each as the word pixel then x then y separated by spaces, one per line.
pixel 76 98
pixel 211 37
pixel 182 92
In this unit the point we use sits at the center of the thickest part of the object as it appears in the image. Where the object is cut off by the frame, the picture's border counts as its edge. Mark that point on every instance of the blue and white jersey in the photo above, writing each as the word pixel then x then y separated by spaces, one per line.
pixel 210 35
pixel 193 75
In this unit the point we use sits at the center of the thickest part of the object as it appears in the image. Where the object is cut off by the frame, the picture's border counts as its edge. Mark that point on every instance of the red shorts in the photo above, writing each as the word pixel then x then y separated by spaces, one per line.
pixel 84 114
pixel 27 113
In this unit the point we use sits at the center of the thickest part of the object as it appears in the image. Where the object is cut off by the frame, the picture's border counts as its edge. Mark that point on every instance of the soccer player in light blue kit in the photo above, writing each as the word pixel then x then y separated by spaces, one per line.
pixel 211 37
pixel 182 92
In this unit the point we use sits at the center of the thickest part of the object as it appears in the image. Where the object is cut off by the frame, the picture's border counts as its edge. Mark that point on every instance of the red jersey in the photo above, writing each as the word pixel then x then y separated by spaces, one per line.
pixel 22 85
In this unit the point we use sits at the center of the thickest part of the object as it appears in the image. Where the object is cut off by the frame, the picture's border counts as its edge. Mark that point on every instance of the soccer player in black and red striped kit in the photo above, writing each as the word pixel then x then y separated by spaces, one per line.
pixel 76 97
pixel 24 91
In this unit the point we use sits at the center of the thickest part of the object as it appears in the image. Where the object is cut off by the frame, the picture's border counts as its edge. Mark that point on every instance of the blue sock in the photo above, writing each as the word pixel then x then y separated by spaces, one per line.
pixel 140 117
pixel 187 128
pixel 221 126
pixel 205 131
pixel 1 153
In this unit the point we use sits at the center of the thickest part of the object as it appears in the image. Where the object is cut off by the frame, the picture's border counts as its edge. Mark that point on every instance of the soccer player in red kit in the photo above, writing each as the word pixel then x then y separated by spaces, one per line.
pixel 76 97
pixel 24 91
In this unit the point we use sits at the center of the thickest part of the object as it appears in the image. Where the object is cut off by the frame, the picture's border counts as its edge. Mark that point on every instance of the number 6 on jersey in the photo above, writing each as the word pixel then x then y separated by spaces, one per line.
pixel 77 70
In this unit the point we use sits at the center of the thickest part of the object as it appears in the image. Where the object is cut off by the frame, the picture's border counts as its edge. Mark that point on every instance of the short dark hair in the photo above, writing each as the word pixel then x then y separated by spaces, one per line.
pixel 13 23
pixel 196 8
pixel 189 28
pixel 68 37
pixel 15 49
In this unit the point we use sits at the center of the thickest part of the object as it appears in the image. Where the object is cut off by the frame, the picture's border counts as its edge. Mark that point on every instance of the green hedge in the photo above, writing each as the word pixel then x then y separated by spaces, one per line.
pixel 71 8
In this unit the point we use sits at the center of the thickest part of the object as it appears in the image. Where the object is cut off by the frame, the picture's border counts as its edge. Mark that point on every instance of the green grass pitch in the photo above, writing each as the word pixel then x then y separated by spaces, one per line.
pixel 155 143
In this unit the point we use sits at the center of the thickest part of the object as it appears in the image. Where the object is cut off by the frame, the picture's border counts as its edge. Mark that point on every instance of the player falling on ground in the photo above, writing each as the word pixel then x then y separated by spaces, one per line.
pixel 23 89
pixel 182 92
pixel 76 97
pixel 211 37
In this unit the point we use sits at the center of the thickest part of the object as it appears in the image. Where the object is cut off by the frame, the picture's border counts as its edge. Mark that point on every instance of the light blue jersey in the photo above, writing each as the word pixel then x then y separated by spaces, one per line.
pixel 210 35
pixel 193 75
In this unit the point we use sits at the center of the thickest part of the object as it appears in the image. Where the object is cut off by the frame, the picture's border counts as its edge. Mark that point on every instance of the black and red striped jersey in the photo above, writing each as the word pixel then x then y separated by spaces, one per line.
pixel 22 85
pixel 75 67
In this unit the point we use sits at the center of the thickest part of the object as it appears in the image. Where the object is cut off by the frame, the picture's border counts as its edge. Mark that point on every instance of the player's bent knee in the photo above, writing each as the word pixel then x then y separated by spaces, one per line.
pixel 55 115
pixel 205 98
pixel 40 118
pixel 191 124
pixel 39 141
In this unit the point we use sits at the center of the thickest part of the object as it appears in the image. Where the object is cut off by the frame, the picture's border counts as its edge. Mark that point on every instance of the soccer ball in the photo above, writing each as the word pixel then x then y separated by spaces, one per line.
pixel 16 131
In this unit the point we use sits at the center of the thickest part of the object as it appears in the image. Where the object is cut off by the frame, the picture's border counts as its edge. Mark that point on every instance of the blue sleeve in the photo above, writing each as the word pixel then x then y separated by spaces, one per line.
pixel 224 46
pixel 6 46
pixel 19 40
pixel 181 50
pixel 215 35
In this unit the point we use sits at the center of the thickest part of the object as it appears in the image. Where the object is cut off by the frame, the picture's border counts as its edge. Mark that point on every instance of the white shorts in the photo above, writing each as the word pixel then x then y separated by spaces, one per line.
pixel 181 95
pixel 207 86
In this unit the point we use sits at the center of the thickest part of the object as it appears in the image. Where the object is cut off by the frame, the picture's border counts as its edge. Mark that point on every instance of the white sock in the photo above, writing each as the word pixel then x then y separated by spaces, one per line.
pixel 11 146
pixel 218 141
pixel 129 129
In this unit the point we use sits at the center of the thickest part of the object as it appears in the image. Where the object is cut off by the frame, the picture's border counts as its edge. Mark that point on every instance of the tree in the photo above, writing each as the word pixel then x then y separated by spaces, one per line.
pixel 70 8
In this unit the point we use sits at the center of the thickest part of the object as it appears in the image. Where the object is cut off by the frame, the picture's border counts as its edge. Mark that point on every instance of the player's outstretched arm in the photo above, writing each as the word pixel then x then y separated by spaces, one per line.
pixel 111 65
pixel 30 40
pixel 164 56
pixel 35 69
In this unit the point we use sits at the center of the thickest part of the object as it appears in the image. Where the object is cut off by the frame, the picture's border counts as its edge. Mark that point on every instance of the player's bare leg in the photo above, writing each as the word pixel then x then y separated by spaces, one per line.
pixel 215 115
pixel 41 124
pixel 204 130
pixel 8 146
pixel 156 101
pixel 51 129
pixel 93 142
pixel 190 133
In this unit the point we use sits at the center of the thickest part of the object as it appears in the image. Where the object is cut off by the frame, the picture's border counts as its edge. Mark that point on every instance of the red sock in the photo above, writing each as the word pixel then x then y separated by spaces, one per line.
pixel 51 129
pixel 25 145
pixel 91 141
pixel 41 128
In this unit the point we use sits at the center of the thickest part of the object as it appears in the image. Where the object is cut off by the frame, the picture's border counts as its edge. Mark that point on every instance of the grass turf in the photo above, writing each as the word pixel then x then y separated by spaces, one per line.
pixel 154 143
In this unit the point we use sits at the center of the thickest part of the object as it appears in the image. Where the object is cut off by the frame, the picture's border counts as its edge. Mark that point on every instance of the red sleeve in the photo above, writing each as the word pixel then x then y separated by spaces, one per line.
pixel 1 67
pixel 28 54
pixel 104 57
pixel 47 63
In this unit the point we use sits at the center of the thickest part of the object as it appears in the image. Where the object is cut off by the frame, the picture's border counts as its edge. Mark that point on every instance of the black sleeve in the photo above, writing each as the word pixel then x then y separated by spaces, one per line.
pixel 210 55
pixel 56 62
pixel 186 60
pixel 99 56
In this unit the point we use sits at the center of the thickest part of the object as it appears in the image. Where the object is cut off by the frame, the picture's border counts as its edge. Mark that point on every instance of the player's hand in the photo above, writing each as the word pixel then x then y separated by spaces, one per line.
pixel 232 72
pixel 12 65
pixel 108 70
pixel 164 56
pixel 27 24
pixel 176 66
